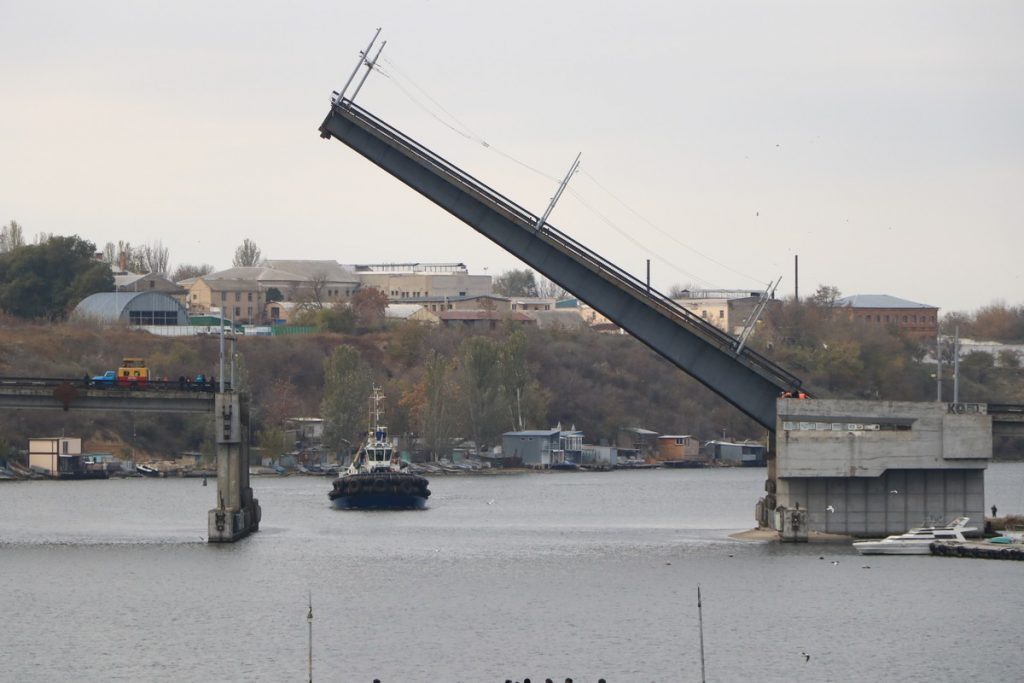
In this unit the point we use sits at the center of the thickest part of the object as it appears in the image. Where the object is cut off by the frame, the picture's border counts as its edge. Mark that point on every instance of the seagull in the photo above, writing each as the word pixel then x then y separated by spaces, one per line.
pixel 865 566
pixel 806 656
pixel 490 502
pixel 835 562
pixel 830 509
pixel 894 491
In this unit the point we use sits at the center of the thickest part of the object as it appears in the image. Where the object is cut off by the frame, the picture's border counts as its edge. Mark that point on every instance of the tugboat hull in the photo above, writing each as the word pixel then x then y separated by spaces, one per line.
pixel 380 491
pixel 373 501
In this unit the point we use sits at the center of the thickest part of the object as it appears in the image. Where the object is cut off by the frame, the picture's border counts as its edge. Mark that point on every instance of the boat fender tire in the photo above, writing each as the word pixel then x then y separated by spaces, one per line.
pixel 405 487
pixel 380 486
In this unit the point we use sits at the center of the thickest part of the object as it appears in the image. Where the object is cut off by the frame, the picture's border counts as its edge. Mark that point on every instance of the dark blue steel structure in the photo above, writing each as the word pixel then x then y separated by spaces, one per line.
pixel 745 379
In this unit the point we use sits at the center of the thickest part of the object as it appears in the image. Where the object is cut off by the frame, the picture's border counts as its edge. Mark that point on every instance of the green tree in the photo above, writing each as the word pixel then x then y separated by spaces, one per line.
pixel 45 280
pixel 347 385
pixel 515 283
pixel 272 441
pixel 479 380
pixel 437 418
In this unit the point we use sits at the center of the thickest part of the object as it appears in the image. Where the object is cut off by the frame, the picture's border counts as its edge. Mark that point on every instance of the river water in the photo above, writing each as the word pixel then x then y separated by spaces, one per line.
pixel 585 575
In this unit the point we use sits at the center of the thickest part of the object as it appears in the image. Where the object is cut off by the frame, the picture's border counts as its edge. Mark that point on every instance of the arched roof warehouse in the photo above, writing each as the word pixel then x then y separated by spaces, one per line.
pixel 132 308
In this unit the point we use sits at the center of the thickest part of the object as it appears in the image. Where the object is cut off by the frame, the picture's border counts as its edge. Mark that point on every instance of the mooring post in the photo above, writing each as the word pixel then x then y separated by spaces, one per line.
pixel 237 513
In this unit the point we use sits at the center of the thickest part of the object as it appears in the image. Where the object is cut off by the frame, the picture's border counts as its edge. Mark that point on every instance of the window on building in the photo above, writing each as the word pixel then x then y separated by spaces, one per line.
pixel 887 319
pixel 914 318
pixel 223 296
pixel 238 296
pixel 721 314
pixel 249 312
pixel 904 318
pixel 152 284
pixel 248 296
pixel 238 312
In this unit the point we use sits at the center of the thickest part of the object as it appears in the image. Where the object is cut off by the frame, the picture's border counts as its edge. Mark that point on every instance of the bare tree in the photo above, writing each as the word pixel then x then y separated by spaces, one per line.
pixel 550 290
pixel 12 236
pixel 190 270
pixel 110 254
pixel 317 282
pixel 155 257
pixel 247 254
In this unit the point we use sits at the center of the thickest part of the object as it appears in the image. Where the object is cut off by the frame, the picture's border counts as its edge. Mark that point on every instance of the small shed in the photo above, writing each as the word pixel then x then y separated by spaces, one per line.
pixel 534 448
pixel 132 308
pixel 678 447
pixel 745 454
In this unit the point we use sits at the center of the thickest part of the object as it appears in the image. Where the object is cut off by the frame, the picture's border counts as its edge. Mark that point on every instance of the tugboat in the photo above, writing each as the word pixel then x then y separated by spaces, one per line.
pixel 375 480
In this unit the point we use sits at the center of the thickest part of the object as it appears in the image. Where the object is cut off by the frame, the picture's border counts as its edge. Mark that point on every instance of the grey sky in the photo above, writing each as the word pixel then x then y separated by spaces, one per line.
pixel 881 141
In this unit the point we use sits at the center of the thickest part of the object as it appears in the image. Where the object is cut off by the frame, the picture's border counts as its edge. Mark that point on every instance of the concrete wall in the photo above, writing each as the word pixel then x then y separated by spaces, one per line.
pixel 888 504
pixel 880 467
pixel 822 438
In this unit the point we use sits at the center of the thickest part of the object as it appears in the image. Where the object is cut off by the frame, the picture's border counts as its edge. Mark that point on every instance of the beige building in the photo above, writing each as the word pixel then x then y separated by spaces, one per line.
pixel 241 293
pixel 402 281
pixel 485 320
pixel 726 309
pixel 55 455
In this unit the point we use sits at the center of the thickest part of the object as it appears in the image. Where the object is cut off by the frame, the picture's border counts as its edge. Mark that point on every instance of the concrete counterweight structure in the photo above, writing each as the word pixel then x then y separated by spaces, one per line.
pixel 237 513
pixel 874 468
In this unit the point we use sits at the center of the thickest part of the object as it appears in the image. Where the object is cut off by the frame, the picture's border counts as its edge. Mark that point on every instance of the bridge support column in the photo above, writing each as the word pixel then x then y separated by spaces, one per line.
pixel 237 513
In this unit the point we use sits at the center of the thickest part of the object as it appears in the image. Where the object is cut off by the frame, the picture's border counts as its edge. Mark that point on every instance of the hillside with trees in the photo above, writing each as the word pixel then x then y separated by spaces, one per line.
pixel 444 385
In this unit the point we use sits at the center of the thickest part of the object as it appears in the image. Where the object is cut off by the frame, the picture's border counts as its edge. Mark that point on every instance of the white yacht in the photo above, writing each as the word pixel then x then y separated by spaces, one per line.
pixel 916 541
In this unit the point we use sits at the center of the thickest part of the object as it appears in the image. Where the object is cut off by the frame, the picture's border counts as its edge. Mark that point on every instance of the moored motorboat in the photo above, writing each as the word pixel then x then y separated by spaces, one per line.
pixel 917 541
pixel 375 480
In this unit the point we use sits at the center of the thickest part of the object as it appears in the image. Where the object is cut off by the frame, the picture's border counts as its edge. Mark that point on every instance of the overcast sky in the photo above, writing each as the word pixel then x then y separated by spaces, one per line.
pixel 883 142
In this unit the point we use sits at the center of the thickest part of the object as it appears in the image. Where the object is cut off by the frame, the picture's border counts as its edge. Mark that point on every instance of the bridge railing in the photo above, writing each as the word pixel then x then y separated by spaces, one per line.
pixel 579 252
pixel 88 383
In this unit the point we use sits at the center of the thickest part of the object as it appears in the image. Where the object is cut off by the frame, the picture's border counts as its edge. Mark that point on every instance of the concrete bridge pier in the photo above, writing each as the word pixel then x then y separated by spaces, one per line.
pixel 237 513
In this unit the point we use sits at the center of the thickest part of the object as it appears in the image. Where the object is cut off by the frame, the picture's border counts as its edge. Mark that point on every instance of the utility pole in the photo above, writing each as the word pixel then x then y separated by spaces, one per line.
pixel 956 366
pixel 700 621
pixel 309 620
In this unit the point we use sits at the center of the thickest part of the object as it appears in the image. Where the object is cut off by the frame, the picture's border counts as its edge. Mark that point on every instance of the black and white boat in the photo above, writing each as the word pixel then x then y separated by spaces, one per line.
pixel 376 479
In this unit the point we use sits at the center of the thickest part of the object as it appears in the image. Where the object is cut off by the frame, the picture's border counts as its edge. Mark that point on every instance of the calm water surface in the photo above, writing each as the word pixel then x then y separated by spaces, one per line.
pixel 573 574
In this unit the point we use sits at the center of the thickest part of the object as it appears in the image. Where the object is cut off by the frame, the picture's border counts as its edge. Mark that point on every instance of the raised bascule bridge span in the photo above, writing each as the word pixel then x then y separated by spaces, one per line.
pixel 854 467
pixel 237 512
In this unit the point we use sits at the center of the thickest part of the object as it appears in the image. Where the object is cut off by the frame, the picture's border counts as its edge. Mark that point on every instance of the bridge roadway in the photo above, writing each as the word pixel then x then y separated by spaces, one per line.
pixel 1007 419
pixel 49 393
